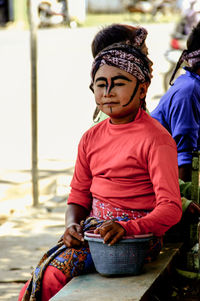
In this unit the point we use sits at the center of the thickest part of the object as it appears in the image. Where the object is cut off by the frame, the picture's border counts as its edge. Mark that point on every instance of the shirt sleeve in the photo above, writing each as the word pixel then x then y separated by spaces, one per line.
pixel 184 124
pixel 82 179
pixel 163 170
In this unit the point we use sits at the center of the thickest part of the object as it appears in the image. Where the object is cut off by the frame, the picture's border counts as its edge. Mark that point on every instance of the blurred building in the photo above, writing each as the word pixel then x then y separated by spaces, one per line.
pixel 17 10
pixel 6 11
pixel 77 10
pixel 104 6
pixel 13 11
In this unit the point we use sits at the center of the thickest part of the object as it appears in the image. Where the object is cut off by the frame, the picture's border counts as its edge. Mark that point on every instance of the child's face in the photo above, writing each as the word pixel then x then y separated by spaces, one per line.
pixel 114 91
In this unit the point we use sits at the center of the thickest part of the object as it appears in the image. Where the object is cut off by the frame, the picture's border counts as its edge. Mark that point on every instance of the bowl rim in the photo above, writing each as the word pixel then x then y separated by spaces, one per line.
pixel 91 234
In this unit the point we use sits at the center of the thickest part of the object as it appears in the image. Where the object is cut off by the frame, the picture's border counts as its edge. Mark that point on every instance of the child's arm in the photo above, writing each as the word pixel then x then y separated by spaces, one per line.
pixel 163 171
pixel 79 200
pixel 73 236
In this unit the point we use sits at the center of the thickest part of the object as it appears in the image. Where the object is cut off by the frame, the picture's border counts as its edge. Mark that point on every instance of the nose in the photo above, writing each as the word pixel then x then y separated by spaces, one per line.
pixel 107 92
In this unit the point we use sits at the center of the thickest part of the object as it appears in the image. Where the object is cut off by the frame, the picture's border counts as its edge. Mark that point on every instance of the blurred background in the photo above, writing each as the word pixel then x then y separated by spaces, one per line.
pixel 63 31
pixel 46 106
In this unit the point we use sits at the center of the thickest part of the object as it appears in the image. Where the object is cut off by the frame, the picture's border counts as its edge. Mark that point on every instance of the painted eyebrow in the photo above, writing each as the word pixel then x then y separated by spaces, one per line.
pixel 113 78
pixel 121 77
pixel 101 79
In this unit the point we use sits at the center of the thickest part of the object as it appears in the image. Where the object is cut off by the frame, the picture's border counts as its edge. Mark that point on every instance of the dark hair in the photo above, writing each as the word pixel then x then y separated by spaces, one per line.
pixel 112 34
pixel 193 43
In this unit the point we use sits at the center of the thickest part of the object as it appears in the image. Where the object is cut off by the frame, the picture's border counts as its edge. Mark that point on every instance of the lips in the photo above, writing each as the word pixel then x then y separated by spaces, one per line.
pixel 110 103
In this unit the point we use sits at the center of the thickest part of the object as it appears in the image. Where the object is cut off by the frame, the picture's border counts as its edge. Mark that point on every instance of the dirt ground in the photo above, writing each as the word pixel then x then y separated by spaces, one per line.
pixel 24 237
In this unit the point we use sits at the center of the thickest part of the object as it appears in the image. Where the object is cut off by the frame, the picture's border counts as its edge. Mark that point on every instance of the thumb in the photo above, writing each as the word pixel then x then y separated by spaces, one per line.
pixel 96 231
pixel 79 230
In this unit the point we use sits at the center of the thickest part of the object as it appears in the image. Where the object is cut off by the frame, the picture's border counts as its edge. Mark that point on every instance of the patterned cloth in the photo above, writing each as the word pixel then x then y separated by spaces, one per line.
pixel 105 211
pixel 192 59
pixel 125 57
pixel 74 262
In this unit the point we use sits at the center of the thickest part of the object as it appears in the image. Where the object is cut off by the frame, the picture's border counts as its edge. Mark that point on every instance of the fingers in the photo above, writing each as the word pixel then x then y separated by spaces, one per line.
pixel 112 237
pixel 73 236
pixel 70 242
pixel 104 228
pixel 111 232
pixel 194 208
pixel 76 232
pixel 115 239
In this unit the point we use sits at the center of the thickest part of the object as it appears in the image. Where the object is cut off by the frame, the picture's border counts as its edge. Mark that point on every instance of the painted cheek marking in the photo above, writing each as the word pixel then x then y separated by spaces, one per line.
pixel 133 95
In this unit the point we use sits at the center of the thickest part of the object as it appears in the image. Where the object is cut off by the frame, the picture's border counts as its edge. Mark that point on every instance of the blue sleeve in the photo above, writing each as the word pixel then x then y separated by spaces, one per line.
pixel 184 119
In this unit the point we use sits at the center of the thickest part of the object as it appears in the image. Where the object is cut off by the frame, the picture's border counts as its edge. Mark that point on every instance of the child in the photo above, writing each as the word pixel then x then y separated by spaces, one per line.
pixel 118 33
pixel 126 174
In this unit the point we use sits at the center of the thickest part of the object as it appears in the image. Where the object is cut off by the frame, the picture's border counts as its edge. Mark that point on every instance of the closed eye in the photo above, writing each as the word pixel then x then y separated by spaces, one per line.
pixel 101 85
pixel 119 84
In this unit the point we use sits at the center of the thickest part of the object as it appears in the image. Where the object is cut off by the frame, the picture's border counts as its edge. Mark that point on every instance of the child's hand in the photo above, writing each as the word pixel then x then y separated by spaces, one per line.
pixel 110 231
pixel 73 236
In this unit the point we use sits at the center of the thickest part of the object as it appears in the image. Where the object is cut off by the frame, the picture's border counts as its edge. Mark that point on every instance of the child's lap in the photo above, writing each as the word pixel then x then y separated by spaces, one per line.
pixel 73 262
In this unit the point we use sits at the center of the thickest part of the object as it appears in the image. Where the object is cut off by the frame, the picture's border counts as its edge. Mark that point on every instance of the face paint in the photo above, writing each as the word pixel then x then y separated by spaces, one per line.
pixel 116 93
pixel 133 95
pixel 111 84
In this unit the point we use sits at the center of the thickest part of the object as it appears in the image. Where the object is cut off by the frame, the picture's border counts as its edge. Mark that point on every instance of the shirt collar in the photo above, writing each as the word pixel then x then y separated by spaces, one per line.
pixel 124 125
pixel 189 73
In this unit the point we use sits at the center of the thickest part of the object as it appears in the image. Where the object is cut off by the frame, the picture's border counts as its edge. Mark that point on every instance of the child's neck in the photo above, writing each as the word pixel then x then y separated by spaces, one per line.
pixel 123 120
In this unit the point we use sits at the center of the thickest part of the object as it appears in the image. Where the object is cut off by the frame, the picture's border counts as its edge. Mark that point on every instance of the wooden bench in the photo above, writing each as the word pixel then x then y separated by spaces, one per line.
pixel 127 288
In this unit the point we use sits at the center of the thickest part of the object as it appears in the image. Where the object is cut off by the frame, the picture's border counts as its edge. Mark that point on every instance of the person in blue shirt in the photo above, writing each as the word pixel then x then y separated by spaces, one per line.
pixel 179 109
pixel 179 112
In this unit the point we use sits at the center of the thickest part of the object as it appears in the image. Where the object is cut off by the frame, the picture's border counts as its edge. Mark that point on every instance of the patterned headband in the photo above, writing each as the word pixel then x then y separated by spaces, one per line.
pixel 125 57
pixel 192 58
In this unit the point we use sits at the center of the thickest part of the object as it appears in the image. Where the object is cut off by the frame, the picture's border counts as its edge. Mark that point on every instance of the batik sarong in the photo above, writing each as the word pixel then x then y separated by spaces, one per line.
pixel 73 262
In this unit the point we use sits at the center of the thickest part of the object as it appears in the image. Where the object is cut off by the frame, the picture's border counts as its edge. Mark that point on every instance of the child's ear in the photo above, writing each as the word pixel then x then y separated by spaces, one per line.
pixel 143 90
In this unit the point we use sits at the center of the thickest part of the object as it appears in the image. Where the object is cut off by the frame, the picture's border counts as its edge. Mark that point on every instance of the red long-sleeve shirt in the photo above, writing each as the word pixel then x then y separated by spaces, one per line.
pixel 132 166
